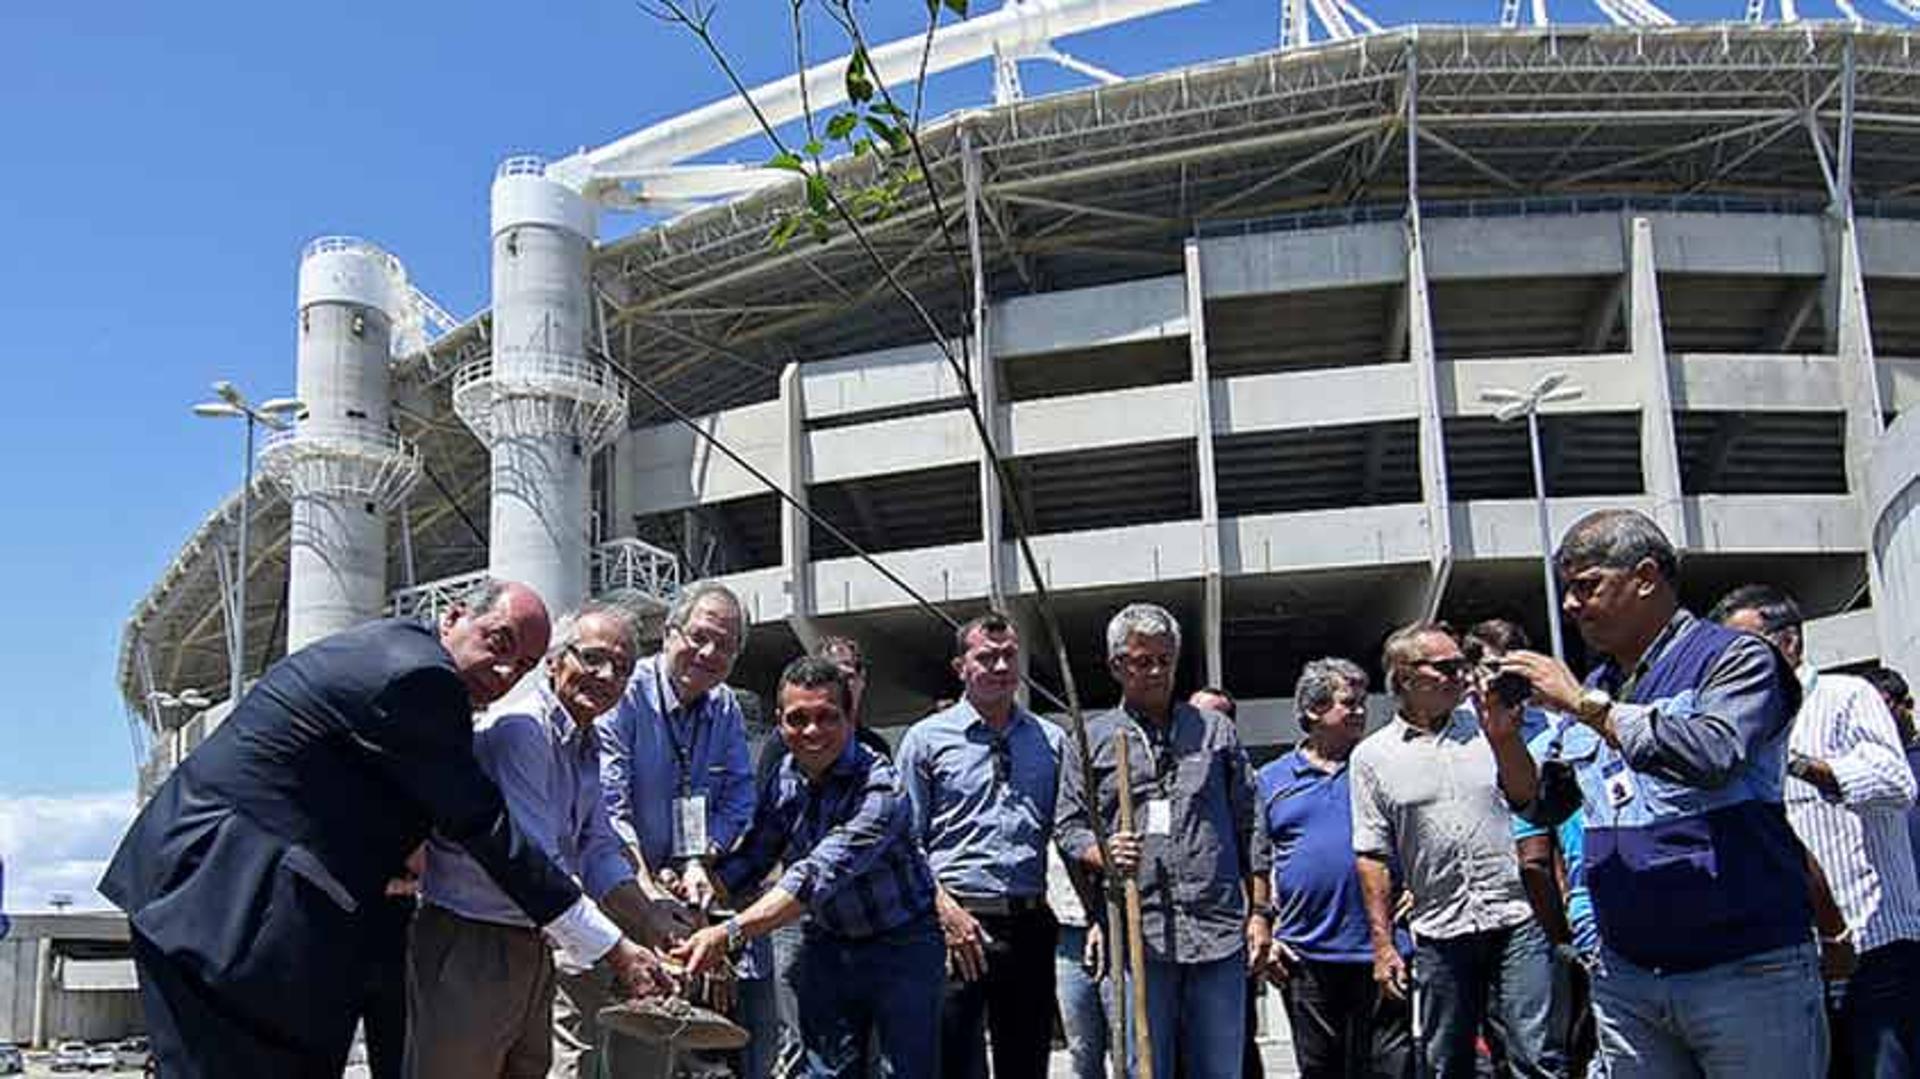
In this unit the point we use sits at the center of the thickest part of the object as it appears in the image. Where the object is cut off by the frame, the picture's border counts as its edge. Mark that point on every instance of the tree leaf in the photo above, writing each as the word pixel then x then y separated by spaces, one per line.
pixel 842 125
pixel 958 7
pixel 783 233
pixel 788 160
pixel 888 108
pixel 813 148
pixel 817 195
pixel 859 83
pixel 895 138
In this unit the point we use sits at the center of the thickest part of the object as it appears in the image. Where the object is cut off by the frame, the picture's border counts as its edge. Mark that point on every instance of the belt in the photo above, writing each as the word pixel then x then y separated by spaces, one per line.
pixel 1002 905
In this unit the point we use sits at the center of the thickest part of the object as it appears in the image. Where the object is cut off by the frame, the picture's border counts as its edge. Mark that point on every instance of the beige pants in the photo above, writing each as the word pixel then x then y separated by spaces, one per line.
pixel 479 999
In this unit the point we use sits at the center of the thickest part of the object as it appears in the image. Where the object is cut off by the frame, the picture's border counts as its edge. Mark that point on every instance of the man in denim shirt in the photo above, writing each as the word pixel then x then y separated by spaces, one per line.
pixel 983 776
pixel 872 959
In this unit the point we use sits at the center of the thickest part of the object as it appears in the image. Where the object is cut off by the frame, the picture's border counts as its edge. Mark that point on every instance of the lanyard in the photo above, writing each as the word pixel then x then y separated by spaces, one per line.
pixel 682 754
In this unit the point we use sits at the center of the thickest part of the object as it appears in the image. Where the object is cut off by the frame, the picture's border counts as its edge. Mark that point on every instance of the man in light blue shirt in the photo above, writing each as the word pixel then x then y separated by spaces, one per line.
pixel 480 979
pixel 673 756
pixel 983 777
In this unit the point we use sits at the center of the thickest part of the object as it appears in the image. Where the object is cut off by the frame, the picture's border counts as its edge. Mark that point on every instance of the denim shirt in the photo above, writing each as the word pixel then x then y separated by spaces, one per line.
pixel 644 743
pixel 983 802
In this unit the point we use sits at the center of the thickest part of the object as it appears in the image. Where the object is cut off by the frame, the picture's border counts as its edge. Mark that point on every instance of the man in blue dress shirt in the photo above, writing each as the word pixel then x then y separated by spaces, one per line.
pixel 480 979
pixel 1321 954
pixel 835 816
pixel 983 776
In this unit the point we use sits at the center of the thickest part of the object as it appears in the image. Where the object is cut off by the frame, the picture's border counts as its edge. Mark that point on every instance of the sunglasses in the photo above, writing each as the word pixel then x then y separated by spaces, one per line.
pixel 1454 667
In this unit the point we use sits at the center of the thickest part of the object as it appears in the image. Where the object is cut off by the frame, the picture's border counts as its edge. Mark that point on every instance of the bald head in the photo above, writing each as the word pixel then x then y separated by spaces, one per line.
pixel 496 633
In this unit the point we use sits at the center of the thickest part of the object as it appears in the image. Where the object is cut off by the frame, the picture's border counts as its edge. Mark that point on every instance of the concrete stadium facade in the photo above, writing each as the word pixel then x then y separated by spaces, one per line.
pixel 1237 322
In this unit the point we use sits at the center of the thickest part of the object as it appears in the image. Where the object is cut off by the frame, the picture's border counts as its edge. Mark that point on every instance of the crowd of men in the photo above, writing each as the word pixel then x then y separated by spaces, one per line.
pixel 1699 861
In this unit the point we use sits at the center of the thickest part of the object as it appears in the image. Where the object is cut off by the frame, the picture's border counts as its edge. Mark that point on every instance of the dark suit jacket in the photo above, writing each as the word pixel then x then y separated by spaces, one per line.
pixel 260 864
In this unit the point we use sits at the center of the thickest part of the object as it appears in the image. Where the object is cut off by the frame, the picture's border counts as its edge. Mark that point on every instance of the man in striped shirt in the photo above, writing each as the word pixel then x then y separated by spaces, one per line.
pixel 871 957
pixel 1847 799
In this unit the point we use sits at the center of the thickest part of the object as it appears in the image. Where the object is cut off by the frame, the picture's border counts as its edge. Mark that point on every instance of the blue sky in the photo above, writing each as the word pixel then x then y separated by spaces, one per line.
pixel 164 164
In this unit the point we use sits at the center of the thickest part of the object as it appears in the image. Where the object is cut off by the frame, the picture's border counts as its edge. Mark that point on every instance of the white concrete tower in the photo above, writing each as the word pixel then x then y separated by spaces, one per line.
pixel 342 466
pixel 542 406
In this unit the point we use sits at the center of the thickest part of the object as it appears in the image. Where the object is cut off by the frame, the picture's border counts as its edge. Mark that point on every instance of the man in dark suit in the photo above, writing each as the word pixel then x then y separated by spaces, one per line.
pixel 253 876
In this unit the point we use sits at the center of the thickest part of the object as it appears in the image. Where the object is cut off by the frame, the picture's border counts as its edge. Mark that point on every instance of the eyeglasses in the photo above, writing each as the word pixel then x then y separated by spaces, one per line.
pixel 1451 667
pixel 1145 664
pixel 603 661
pixel 703 639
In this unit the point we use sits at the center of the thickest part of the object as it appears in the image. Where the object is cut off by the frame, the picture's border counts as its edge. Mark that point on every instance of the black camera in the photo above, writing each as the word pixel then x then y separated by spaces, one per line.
pixel 1510 688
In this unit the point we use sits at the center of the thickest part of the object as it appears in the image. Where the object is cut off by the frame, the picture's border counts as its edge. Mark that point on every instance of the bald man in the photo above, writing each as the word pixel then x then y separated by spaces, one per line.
pixel 251 877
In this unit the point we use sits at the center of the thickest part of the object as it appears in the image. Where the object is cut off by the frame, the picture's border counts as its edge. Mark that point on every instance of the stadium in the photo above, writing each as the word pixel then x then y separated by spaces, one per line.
pixel 1249 328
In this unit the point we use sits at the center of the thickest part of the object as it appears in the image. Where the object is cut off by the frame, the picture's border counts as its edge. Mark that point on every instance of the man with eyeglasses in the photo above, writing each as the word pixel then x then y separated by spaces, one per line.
pixel 1425 796
pixel 480 980
pixel 676 776
pixel 983 777
pixel 1203 887
pixel 1708 963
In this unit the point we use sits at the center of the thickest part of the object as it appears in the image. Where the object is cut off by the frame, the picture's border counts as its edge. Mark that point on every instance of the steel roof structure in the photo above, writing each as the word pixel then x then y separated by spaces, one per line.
pixel 1106 184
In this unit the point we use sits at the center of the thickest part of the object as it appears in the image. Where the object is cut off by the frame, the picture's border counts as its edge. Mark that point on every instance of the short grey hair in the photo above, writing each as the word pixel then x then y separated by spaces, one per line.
pixel 1143 620
pixel 1616 539
pixel 1320 681
pixel 566 632
pixel 691 596
pixel 1403 647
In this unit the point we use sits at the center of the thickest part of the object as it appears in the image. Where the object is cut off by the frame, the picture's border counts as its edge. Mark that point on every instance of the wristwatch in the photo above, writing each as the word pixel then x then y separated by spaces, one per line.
pixel 736 936
pixel 1593 706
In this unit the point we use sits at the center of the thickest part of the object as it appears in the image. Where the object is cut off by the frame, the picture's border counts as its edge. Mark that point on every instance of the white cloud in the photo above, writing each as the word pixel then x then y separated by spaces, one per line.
pixel 59 843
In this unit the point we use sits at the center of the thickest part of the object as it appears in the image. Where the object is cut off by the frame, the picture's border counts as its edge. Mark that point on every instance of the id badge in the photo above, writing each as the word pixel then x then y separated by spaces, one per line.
pixel 1619 782
pixel 1159 817
pixel 690 826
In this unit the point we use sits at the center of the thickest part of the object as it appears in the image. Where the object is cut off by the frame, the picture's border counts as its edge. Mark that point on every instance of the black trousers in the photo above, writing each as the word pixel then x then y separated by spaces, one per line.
pixel 1343 1027
pixel 1014 998
pixel 194 1035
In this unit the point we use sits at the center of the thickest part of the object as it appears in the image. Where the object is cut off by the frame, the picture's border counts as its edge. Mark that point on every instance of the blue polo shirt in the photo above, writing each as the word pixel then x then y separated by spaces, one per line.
pixel 1306 821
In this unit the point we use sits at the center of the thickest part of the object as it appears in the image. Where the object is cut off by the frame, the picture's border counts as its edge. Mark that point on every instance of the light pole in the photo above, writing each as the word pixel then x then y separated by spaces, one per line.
pixel 270 413
pixel 1547 389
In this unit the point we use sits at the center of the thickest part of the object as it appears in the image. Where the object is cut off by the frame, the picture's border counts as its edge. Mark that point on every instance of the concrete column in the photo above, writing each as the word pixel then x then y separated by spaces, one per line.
pixel 1433 447
pixel 1213 588
pixel 541 405
pixel 1659 446
pixel 342 467
pixel 796 535
pixel 986 385
pixel 1892 502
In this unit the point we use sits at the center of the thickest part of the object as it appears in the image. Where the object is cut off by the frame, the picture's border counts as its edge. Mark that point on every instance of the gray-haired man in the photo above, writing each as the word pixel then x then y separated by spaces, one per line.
pixel 480 979
pixel 1191 846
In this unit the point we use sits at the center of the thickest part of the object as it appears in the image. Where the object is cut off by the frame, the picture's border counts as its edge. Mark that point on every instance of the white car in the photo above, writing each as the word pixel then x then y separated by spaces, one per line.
pixel 100 1057
pixel 70 1056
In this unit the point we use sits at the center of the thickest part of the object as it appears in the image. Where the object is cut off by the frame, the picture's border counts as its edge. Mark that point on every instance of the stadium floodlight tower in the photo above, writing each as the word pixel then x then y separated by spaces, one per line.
pixel 341 466
pixel 541 404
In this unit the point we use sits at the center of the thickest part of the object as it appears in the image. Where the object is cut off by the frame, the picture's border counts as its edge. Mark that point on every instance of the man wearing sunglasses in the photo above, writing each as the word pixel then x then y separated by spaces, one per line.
pixel 1708 964
pixel 480 981
pixel 1424 793
pixel 983 776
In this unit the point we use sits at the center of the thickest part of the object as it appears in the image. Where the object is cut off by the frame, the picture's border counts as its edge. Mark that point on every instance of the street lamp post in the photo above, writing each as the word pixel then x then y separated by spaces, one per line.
pixel 271 414
pixel 1547 389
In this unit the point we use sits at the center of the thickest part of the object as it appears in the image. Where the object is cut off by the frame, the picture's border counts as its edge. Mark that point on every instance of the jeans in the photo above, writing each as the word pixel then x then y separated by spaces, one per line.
pixel 1501 978
pixel 1343 1026
pixel 759 1015
pixel 1083 1007
pixel 1876 1029
pixel 1194 1015
pixel 1753 1018
pixel 887 985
